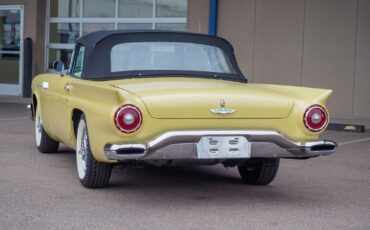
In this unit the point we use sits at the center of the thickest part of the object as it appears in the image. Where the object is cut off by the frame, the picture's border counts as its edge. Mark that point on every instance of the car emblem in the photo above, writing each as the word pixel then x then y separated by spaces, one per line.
pixel 222 103
pixel 222 110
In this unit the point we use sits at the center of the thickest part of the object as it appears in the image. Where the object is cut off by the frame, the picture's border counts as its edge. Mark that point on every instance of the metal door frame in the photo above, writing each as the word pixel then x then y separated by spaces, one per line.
pixel 15 89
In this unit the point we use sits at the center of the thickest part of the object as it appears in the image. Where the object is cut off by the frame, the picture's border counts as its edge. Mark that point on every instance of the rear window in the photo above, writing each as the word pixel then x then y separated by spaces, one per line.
pixel 169 56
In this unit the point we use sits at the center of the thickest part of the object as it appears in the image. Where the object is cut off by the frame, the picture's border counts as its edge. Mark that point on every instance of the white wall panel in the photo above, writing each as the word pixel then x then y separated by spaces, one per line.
pixel 236 20
pixel 362 78
pixel 329 50
pixel 279 41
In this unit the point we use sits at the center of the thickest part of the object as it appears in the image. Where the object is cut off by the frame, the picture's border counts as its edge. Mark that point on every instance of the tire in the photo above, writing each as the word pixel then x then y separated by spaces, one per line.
pixel 44 143
pixel 92 174
pixel 260 171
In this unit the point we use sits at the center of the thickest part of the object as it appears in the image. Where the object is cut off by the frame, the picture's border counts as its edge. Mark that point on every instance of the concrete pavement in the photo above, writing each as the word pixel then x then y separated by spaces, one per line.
pixel 42 191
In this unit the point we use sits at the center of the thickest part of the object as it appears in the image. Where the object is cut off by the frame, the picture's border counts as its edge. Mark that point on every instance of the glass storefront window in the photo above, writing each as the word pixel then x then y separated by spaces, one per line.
pixel 91 27
pixel 10 46
pixel 65 8
pixel 59 54
pixel 9 68
pixel 171 8
pixel 135 8
pixel 171 26
pixel 99 8
pixel 64 32
pixel 131 26
pixel 71 19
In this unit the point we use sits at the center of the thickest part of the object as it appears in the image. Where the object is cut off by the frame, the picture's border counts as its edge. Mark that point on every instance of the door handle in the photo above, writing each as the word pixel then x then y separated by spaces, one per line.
pixel 68 88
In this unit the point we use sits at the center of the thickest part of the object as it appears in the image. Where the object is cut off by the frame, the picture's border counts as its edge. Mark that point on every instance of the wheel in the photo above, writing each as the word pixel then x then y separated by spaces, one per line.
pixel 92 174
pixel 44 143
pixel 259 171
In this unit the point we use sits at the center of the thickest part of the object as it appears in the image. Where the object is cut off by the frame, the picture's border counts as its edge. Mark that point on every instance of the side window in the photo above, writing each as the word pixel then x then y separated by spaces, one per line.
pixel 77 70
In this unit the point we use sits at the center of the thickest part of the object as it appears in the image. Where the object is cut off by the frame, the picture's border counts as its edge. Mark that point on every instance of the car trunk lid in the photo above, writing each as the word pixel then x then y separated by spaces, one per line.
pixel 199 98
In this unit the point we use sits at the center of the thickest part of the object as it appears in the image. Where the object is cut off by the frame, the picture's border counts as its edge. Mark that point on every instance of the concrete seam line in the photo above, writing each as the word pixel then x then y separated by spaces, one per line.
pixel 14 118
pixel 354 141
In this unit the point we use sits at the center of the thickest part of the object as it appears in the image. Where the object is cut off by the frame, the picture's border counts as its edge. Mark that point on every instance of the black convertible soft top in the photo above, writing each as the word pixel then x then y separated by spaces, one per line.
pixel 98 46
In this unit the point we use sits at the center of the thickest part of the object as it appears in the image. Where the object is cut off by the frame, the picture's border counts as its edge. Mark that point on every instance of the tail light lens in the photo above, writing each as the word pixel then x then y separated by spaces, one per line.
pixel 128 118
pixel 315 118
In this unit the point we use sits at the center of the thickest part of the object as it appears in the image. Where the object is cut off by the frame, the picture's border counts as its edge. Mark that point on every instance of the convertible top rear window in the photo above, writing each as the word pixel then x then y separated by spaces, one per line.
pixel 177 56
pixel 132 53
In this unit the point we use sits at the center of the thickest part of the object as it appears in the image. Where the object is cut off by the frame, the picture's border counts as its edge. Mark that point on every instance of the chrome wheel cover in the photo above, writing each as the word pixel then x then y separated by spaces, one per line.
pixel 81 149
pixel 38 127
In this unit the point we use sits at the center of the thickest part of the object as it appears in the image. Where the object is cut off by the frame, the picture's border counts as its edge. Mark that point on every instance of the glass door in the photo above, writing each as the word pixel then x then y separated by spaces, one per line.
pixel 11 45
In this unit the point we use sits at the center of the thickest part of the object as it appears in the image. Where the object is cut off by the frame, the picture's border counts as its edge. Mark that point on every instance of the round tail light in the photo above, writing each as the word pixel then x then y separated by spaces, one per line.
pixel 315 118
pixel 128 118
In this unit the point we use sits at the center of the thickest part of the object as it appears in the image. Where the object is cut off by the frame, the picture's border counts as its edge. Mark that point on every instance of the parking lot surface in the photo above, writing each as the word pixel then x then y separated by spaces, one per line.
pixel 42 191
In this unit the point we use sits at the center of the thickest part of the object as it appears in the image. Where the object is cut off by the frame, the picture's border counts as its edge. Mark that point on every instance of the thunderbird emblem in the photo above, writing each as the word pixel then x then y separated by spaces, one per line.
pixel 222 110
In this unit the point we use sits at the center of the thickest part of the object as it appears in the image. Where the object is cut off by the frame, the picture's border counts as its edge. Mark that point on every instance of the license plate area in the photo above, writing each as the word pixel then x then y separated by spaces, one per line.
pixel 218 147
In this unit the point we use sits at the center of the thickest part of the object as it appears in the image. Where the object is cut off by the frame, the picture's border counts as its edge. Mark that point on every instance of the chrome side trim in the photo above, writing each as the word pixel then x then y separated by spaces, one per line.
pixel 272 144
pixel 222 111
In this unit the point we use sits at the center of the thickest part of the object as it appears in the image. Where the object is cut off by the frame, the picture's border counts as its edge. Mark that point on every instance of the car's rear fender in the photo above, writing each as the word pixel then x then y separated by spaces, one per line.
pixel 98 102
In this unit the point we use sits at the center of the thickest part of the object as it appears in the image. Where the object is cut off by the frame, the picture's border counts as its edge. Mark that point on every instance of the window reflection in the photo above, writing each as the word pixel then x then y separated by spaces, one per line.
pixel 10 38
pixel 103 15
pixel 177 56
pixel 171 8
pixel 135 8
pixel 65 8
pixel 64 32
pixel 60 54
pixel 91 27
pixel 131 26
pixel 171 26
pixel 9 30
pixel 99 8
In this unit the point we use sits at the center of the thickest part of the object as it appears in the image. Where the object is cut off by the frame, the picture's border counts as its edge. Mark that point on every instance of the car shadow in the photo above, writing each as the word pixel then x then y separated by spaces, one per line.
pixel 64 150
pixel 179 186
pixel 176 186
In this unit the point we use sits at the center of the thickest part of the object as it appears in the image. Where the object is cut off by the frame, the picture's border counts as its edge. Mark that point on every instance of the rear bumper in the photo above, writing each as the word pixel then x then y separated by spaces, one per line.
pixel 183 145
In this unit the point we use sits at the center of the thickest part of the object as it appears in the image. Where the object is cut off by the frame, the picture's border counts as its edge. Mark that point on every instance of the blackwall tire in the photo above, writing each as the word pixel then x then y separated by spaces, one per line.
pixel 259 171
pixel 44 143
pixel 92 174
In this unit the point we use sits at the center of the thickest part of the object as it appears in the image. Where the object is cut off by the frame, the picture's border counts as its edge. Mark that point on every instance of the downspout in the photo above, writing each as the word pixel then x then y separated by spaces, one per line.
pixel 213 9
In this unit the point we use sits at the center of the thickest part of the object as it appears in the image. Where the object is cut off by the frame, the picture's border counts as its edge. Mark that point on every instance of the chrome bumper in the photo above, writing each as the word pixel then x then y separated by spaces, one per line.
pixel 183 145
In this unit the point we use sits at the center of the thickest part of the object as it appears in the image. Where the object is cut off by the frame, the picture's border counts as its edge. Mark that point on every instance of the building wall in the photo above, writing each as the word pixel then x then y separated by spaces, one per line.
pixel 312 43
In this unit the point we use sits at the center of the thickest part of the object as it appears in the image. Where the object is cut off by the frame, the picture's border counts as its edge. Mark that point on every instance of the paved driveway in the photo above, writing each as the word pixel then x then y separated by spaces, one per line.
pixel 40 191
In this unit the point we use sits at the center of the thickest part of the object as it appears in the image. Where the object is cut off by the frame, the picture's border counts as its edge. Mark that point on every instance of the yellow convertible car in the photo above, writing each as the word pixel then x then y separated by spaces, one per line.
pixel 172 98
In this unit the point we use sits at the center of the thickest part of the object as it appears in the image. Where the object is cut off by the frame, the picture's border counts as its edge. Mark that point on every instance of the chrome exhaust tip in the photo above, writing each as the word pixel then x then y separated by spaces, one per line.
pixel 125 151
pixel 325 146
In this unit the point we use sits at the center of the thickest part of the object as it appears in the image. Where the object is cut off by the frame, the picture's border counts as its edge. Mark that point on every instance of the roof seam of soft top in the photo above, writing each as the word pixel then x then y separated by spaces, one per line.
pixel 97 36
